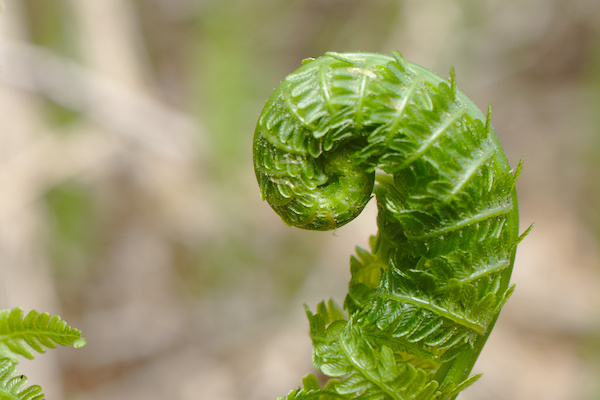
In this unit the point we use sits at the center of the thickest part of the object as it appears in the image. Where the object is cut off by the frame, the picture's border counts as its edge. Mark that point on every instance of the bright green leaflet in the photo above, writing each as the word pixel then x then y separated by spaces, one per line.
pixel 421 304
pixel 23 335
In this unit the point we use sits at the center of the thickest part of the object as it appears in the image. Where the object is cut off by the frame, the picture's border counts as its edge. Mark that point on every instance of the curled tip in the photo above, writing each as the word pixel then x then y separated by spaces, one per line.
pixel 338 200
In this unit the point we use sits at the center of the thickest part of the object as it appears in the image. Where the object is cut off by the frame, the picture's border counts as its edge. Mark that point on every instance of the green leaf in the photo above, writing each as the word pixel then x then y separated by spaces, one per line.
pixel 35 332
pixel 13 388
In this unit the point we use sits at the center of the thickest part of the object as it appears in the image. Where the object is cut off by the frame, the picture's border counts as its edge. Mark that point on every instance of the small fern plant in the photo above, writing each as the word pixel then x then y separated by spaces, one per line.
pixel 423 300
pixel 24 335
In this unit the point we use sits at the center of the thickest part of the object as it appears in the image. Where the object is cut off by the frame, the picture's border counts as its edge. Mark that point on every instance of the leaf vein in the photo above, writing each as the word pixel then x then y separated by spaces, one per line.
pixel 460 320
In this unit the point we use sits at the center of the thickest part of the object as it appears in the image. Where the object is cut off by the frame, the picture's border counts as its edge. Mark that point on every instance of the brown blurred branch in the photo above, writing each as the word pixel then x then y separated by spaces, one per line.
pixel 130 114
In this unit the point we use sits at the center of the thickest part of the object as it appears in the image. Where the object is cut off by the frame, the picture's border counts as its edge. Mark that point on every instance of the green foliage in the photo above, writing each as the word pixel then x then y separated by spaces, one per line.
pixel 423 301
pixel 22 335
pixel 13 387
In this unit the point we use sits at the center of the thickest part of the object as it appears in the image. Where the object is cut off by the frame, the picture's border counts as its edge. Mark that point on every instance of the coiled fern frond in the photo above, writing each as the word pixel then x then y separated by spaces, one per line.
pixel 422 302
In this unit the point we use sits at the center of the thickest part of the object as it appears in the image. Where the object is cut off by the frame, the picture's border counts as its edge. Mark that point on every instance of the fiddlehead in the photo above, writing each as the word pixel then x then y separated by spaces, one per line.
pixel 422 302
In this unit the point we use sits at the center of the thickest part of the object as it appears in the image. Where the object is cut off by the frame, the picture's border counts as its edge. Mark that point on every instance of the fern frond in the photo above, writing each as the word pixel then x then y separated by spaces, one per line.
pixel 22 335
pixel 312 390
pixel 13 388
pixel 374 365
pixel 422 301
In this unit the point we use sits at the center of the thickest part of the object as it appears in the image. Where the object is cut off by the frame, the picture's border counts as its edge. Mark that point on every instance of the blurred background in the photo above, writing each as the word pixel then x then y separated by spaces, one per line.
pixel 129 206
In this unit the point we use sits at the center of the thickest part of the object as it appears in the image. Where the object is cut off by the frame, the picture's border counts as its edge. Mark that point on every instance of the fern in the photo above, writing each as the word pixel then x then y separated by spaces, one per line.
pixel 22 335
pixel 13 387
pixel 422 302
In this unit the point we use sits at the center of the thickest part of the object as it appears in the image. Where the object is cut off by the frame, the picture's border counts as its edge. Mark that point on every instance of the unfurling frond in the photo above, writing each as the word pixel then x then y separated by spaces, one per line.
pixel 422 301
